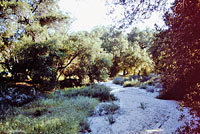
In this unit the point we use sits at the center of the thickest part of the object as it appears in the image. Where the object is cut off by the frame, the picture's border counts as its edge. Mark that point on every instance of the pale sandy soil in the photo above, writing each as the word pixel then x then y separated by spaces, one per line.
pixel 158 116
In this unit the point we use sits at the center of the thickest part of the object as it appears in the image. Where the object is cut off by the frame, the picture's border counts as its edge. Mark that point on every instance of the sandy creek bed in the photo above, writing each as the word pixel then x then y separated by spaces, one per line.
pixel 157 116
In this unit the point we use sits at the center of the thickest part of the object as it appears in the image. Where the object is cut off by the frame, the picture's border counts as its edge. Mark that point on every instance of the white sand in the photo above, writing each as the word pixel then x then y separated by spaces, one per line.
pixel 159 116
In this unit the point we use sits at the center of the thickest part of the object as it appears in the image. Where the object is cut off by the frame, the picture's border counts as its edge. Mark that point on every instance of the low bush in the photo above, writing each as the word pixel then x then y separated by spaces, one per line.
pixel 61 115
pixel 106 108
pixel 150 89
pixel 100 92
pixel 132 83
pixel 111 108
pixel 144 86
pixel 118 80
pixel 111 119
pixel 128 84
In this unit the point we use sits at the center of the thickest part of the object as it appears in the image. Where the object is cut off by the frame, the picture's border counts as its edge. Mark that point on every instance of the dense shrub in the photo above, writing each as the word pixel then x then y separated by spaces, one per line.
pixel 52 115
pixel 176 51
pixel 100 92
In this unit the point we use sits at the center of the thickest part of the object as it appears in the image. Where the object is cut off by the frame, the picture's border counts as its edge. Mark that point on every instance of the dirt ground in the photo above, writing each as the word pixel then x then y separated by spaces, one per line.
pixel 140 113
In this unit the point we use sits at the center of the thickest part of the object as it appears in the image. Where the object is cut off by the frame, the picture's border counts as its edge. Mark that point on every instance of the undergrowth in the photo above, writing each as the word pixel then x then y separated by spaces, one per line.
pixel 100 92
pixel 62 112
pixel 63 116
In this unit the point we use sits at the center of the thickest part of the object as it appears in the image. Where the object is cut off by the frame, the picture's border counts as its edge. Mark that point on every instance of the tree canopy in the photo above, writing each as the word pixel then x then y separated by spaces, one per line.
pixel 132 11
pixel 36 47
pixel 178 47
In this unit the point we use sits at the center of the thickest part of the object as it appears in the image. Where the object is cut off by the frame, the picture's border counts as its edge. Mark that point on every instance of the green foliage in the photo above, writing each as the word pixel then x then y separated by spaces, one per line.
pixel 152 81
pixel 39 69
pixel 115 43
pixel 177 52
pixel 27 50
pixel 129 54
pixel 138 60
pixel 100 92
pixel 110 108
pixel 132 83
pixel 144 38
pixel 63 116
pixel 99 70
pixel 118 80
pixel 36 47
pixel 86 58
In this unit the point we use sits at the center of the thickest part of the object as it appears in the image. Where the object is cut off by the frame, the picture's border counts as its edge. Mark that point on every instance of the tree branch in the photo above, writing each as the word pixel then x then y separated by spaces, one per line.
pixel 59 68
pixel 68 62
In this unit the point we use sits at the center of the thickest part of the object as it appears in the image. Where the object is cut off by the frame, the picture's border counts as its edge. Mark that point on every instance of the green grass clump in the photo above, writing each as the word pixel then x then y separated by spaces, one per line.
pixel 48 116
pixel 132 83
pixel 110 108
pixel 143 106
pixel 111 119
pixel 118 80
pixel 101 92
pixel 62 112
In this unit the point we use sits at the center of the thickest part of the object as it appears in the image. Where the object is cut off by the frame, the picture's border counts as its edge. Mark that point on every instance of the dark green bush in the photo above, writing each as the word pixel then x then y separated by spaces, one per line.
pixel 192 100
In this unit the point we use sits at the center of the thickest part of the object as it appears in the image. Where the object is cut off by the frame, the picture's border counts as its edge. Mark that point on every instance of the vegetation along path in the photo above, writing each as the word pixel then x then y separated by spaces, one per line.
pixel 140 113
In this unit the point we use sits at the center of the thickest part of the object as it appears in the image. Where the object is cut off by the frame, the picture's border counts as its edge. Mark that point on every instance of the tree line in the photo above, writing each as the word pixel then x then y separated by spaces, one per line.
pixel 36 47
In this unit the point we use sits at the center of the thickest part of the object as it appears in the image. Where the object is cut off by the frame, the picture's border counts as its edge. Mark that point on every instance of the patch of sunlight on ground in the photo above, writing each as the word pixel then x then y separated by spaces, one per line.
pixel 153 131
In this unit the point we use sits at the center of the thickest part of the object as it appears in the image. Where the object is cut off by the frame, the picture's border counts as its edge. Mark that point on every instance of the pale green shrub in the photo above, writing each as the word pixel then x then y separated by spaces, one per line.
pixel 118 80
pixel 132 83
pixel 110 108
pixel 100 92
pixel 63 116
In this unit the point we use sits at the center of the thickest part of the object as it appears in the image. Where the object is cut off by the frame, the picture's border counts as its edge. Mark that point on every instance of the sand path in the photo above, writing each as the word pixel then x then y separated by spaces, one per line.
pixel 140 113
